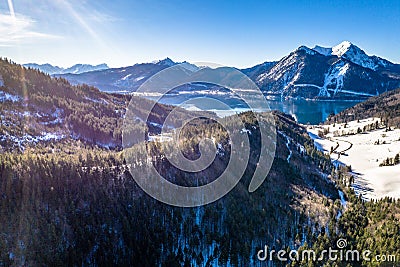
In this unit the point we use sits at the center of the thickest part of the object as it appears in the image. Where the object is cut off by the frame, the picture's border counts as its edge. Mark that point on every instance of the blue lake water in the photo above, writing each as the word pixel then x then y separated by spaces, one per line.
pixel 304 111
pixel 313 112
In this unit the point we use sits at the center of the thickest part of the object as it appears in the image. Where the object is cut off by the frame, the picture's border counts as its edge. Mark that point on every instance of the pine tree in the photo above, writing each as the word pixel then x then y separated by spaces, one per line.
pixel 397 159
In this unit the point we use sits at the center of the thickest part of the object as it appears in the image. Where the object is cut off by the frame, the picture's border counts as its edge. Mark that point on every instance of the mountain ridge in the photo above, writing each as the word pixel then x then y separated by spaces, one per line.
pixel 76 69
pixel 334 73
pixel 343 71
pixel 353 53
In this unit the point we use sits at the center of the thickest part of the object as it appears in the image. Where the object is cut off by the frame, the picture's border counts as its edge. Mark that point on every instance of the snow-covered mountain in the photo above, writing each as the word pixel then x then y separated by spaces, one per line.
pixel 166 61
pixel 82 68
pixel 354 54
pixel 46 68
pixel 126 79
pixel 75 69
pixel 343 71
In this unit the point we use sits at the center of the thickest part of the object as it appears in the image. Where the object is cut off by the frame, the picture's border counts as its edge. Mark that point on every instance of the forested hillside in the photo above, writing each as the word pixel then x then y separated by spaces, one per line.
pixel 35 107
pixel 80 205
pixel 385 106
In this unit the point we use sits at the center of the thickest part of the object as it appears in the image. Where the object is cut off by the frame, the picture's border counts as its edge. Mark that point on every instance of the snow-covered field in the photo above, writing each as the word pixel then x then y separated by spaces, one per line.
pixel 363 153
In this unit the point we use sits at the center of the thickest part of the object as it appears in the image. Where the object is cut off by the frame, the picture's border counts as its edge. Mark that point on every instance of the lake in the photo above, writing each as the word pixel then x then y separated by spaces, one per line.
pixel 304 111
pixel 308 111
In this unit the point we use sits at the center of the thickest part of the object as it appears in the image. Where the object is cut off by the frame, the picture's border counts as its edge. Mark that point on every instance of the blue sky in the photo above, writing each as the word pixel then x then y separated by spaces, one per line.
pixel 233 33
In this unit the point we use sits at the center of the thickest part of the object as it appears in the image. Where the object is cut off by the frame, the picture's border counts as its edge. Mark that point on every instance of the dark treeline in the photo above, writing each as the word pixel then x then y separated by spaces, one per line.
pixel 391 161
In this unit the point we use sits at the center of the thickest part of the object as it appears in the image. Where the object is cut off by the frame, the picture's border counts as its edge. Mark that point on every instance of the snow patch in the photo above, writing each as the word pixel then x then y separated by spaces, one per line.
pixel 8 97
pixel 30 139
pixel 323 50
pixel 163 137
pixel 101 101
pixel 340 49
pixel 288 141
pixel 334 78
pixel 342 199
pixel 244 130
pixel 126 77
pixel 139 78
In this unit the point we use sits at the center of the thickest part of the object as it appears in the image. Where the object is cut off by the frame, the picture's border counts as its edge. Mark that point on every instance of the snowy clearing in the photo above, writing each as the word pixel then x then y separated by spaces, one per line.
pixel 363 151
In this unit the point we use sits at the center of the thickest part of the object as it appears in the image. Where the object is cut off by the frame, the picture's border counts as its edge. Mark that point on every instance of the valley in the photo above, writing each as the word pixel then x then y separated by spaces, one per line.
pixel 304 111
pixel 199 133
pixel 67 182
pixel 363 150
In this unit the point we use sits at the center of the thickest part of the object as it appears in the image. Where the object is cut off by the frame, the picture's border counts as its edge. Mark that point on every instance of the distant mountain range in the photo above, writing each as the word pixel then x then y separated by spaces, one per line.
pixel 341 72
pixel 75 69
pixel 125 79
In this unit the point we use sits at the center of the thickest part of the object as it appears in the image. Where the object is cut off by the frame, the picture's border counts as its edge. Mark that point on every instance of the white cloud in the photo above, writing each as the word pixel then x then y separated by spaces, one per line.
pixel 19 29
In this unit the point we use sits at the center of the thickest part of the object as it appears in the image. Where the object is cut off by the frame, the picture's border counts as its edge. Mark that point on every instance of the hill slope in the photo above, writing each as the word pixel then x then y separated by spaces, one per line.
pixel 385 106
pixel 85 203
pixel 35 107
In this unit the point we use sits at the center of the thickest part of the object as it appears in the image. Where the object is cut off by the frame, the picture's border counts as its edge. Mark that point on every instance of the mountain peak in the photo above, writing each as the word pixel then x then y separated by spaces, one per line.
pixel 353 53
pixel 337 50
pixel 306 49
pixel 81 68
pixel 166 61
pixel 75 69
pixel 340 49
